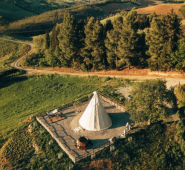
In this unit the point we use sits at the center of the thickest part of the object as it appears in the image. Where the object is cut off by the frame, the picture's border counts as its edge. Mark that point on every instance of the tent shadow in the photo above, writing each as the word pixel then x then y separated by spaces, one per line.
pixel 119 119
pixel 110 107
pixel 97 143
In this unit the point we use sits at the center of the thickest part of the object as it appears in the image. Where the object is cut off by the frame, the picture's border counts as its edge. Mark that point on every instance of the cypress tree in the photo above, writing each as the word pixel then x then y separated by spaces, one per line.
pixel 54 38
pixel 47 40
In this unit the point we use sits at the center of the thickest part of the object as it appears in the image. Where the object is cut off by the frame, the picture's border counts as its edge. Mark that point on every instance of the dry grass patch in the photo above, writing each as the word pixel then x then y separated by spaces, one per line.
pixel 160 9
pixel 101 164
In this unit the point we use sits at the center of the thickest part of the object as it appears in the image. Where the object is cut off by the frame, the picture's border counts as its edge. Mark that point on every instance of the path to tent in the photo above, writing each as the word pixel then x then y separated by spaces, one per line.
pixel 66 131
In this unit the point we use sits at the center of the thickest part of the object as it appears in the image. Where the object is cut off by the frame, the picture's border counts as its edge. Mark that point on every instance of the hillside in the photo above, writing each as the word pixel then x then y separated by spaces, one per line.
pixel 40 23
pixel 160 9
pixel 17 14
pixel 158 146
pixel 39 6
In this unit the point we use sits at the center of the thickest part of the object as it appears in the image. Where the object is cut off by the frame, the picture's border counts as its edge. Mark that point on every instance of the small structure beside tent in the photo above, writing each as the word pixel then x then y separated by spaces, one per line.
pixel 83 143
pixel 95 117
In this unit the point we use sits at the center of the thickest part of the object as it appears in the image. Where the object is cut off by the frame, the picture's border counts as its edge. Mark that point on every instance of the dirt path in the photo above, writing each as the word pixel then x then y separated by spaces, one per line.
pixel 171 78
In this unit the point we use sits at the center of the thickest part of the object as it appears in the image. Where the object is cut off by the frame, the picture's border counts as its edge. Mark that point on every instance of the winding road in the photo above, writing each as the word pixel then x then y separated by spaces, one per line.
pixel 171 82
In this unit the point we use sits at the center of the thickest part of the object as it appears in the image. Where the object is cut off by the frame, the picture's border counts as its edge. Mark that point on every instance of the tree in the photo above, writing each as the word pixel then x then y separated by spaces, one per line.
pixel 148 102
pixel 128 44
pixel 111 43
pixel 143 21
pixel 178 57
pixel 108 25
pixel 51 59
pixel 174 32
pixel 68 40
pixel 47 40
pixel 162 40
pixel 181 12
pixel 93 51
pixel 54 38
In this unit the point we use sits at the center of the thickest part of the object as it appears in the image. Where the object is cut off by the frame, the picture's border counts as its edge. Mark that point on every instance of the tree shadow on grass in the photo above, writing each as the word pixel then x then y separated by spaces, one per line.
pixel 5 83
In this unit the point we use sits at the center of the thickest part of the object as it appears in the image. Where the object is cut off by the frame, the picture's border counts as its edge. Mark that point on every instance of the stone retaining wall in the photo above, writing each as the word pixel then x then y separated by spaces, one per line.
pixel 111 102
pixel 54 136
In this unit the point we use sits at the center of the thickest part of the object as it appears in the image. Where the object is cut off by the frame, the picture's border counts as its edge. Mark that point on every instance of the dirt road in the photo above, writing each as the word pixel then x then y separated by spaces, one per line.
pixel 171 82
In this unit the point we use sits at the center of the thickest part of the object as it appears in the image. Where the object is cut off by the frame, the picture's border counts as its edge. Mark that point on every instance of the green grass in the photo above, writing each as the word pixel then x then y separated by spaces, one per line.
pixel 16 37
pixel 9 52
pixel 24 96
pixel 110 18
pixel 11 12
pixel 21 97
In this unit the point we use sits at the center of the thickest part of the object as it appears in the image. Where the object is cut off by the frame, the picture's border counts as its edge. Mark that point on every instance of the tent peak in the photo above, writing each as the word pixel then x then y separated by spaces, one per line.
pixel 95 117
pixel 95 92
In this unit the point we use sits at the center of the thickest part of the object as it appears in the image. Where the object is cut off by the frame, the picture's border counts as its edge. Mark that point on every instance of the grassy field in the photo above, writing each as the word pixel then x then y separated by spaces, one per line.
pixel 8 53
pixel 21 97
pixel 16 37
pixel 25 96
pixel 159 9
pixel 10 50
pixel 33 7
pixel 11 12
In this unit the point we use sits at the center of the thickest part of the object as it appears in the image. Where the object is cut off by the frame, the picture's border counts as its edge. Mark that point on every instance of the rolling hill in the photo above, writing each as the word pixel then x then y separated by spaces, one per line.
pixel 11 12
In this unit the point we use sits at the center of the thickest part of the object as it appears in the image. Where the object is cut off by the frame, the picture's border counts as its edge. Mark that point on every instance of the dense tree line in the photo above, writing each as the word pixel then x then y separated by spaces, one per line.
pixel 129 40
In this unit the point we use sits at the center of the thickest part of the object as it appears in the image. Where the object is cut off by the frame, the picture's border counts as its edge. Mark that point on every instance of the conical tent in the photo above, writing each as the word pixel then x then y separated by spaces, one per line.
pixel 95 117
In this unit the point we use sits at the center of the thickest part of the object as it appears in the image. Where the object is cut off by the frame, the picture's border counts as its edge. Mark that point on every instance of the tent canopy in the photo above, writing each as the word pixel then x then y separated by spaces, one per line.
pixel 95 117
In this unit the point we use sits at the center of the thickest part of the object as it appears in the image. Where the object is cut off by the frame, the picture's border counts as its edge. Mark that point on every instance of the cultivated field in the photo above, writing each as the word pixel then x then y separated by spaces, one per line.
pixel 160 9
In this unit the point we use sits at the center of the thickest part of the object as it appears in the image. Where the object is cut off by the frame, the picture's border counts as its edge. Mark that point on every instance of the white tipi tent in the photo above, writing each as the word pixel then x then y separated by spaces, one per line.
pixel 95 117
